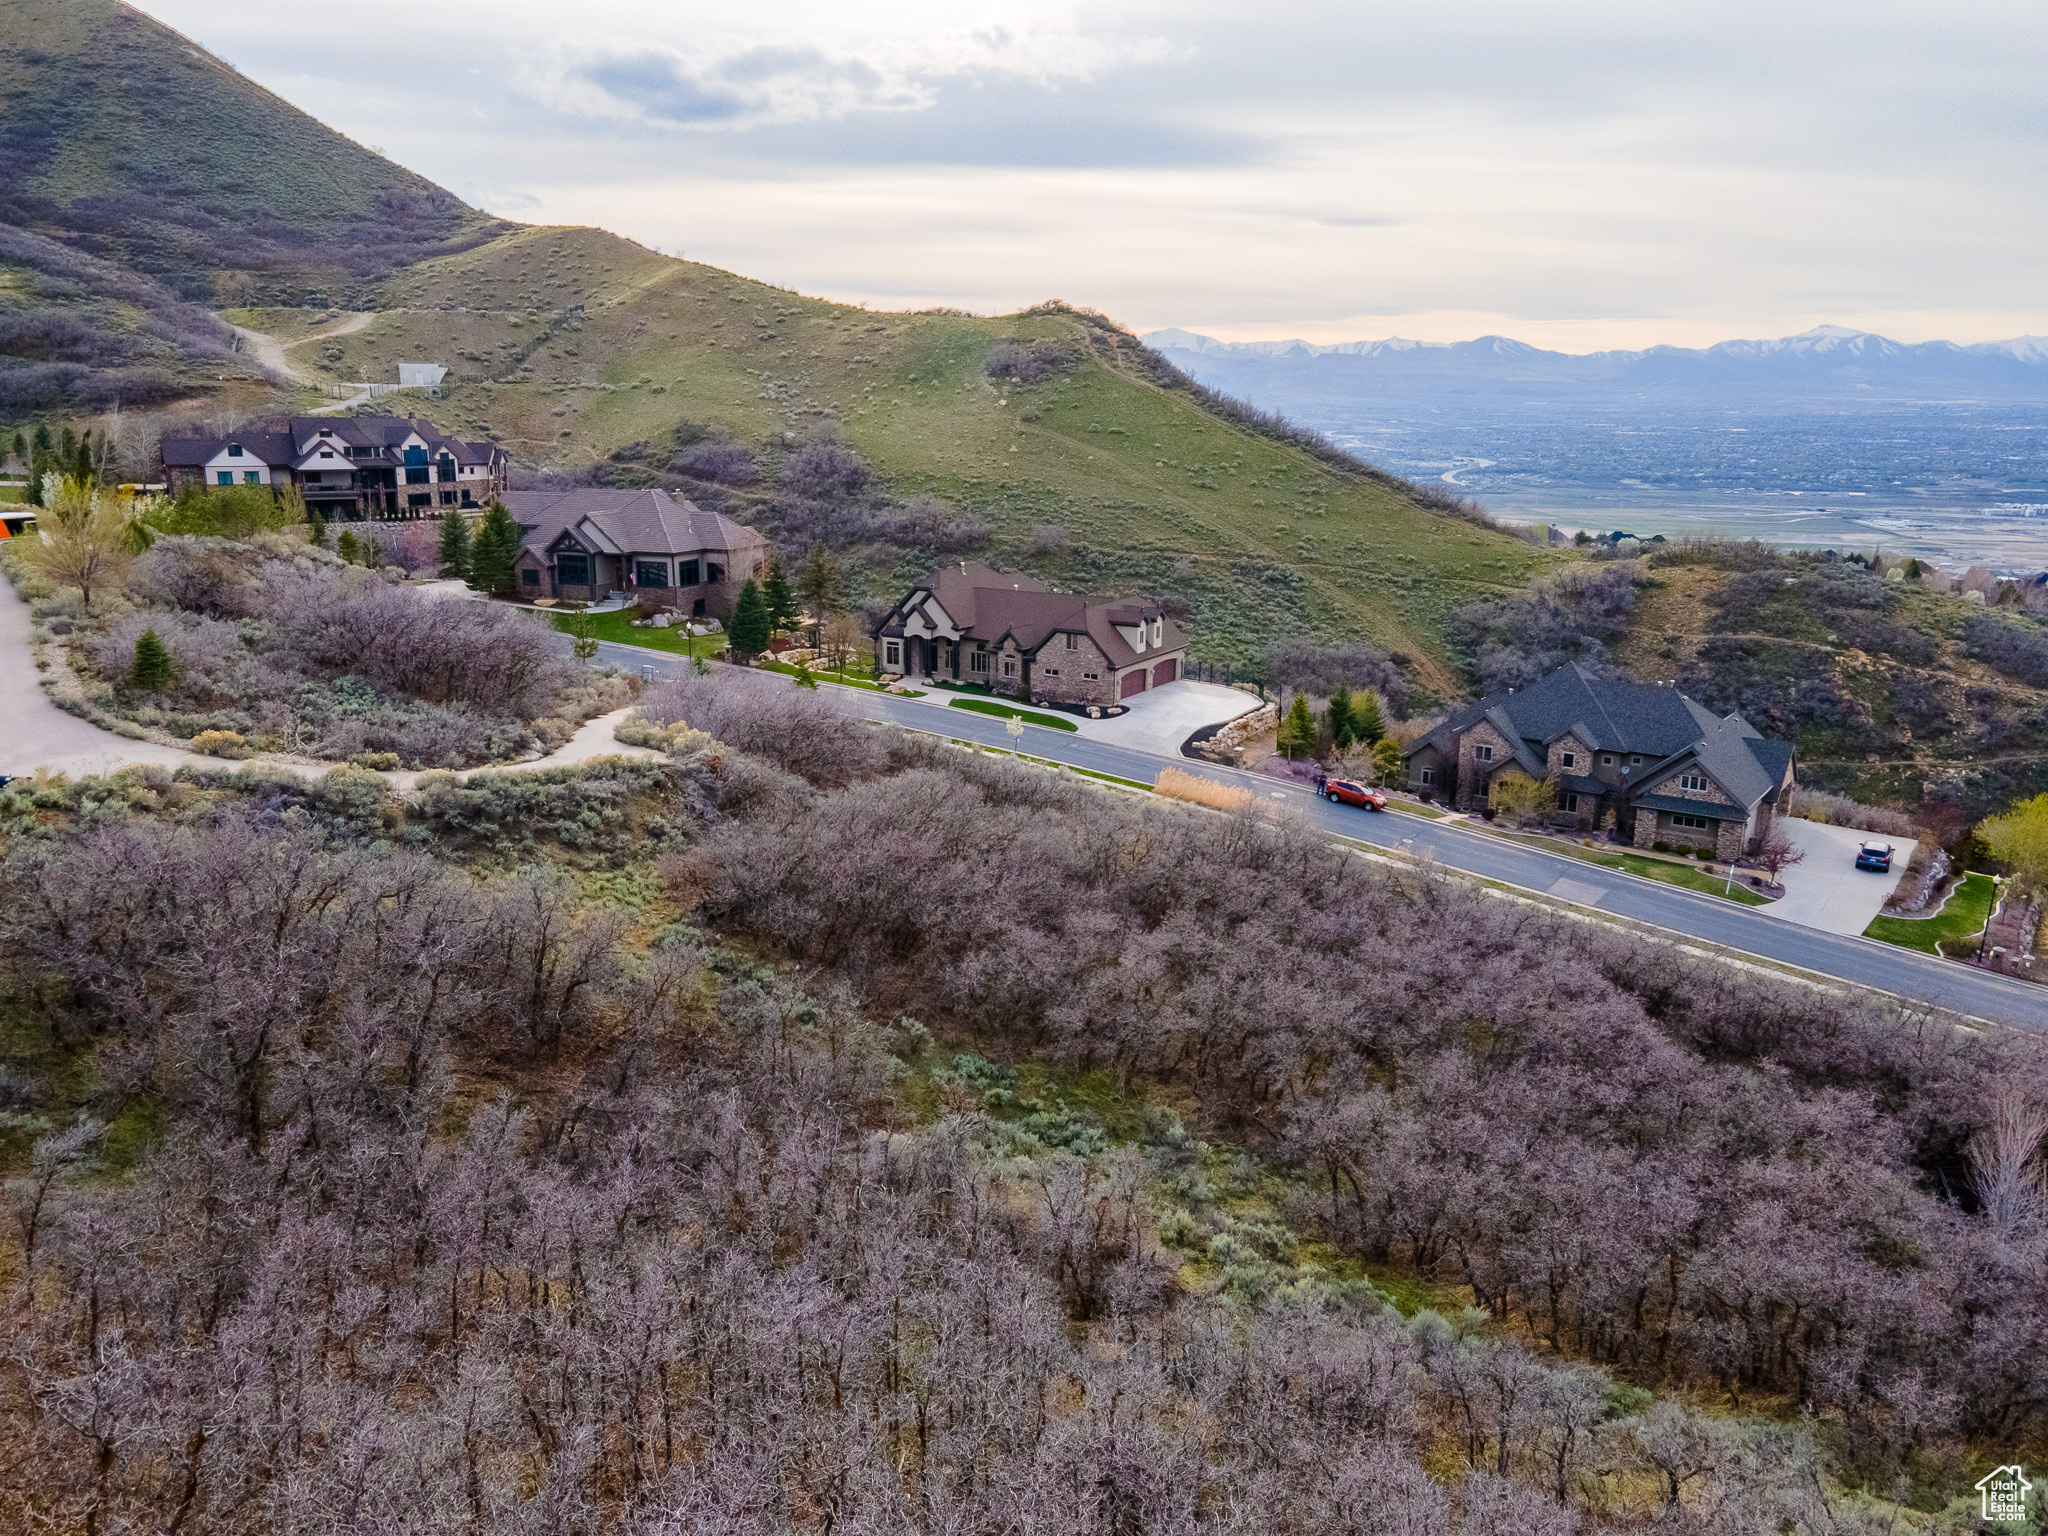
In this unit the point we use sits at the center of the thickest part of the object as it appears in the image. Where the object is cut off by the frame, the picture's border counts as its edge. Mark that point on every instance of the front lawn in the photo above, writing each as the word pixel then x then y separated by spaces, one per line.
pixel 617 628
pixel 1966 911
pixel 1005 712
pixel 1669 873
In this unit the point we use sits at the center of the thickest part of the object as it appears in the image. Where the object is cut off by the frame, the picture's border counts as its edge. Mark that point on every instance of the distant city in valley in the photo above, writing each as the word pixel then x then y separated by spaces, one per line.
pixel 1832 438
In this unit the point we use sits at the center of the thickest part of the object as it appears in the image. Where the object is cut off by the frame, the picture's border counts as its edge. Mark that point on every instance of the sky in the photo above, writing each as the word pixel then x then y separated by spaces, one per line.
pixel 1579 174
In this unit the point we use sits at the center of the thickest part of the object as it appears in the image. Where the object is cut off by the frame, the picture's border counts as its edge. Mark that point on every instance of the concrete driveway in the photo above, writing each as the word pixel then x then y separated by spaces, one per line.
pixel 1828 891
pixel 1160 719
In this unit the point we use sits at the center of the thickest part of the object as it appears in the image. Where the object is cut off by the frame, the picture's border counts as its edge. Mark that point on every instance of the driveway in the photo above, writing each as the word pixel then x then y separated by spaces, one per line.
pixel 1160 719
pixel 1828 891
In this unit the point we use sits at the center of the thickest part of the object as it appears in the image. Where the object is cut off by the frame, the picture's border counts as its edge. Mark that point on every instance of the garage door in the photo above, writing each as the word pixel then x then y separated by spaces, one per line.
pixel 1134 682
pixel 1166 672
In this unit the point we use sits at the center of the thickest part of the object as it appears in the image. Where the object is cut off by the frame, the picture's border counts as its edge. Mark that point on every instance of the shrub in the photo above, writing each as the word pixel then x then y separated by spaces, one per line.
pixel 1703 853
pixel 228 744
pixel 1571 615
pixel 1660 847
pixel 807 732
pixel 377 762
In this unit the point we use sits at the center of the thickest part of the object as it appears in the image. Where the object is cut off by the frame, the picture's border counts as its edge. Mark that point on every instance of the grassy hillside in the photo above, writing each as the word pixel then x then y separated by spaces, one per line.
pixel 134 143
pixel 1893 692
pixel 570 345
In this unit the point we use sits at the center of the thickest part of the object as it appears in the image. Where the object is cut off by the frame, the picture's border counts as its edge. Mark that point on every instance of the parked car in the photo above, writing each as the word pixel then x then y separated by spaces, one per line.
pixel 1351 792
pixel 1877 856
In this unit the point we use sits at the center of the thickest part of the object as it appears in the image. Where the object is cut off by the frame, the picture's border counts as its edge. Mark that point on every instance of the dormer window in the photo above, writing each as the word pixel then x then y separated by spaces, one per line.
pixel 234 450
pixel 1158 631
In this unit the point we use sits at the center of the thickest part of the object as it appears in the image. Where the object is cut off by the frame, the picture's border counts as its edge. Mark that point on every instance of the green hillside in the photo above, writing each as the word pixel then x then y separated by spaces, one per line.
pixel 570 345
pixel 127 140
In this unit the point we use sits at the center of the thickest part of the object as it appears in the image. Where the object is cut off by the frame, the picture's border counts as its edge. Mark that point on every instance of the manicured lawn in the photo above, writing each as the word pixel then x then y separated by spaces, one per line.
pixel 1965 912
pixel 844 679
pixel 617 627
pixel 1668 873
pixel 1005 712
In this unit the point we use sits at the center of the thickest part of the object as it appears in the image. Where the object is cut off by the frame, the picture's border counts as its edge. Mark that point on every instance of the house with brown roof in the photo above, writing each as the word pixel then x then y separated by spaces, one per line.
pixel 1645 759
pixel 971 623
pixel 348 468
pixel 668 552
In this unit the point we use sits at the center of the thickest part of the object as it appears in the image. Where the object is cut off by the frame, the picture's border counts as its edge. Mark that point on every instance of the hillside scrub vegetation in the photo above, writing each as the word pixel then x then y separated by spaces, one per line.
pixel 406 1160
pixel 290 648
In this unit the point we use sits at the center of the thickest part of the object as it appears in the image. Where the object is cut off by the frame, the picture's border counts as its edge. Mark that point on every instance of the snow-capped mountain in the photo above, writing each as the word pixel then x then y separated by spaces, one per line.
pixel 1829 359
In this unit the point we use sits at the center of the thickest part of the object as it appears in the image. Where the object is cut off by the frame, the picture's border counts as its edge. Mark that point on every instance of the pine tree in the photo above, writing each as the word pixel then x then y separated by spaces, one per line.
pixel 38 466
pixel 82 467
pixel 1297 736
pixel 21 449
pixel 67 451
pixel 1338 719
pixel 1367 723
pixel 152 670
pixel 43 441
pixel 775 593
pixel 455 546
pixel 818 582
pixel 348 547
pixel 749 631
pixel 316 529
pixel 493 552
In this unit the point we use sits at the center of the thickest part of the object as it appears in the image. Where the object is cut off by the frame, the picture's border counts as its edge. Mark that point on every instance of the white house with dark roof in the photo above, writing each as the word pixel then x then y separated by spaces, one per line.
pixel 668 552
pixel 1657 765
pixel 971 623
pixel 348 468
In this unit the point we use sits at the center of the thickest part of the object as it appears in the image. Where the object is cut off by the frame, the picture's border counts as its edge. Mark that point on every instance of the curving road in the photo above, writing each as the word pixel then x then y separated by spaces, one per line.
pixel 1857 961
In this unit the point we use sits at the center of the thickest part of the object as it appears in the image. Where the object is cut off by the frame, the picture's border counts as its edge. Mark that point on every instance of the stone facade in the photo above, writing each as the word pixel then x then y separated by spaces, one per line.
pixel 1475 768
pixel 1071 669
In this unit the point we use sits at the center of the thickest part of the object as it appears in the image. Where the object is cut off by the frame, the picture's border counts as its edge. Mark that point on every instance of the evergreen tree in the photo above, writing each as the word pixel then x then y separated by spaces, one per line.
pixel 82 467
pixel 455 545
pixel 38 466
pixel 21 449
pixel 67 450
pixel 775 593
pixel 749 631
pixel 1338 719
pixel 43 441
pixel 348 547
pixel 1367 723
pixel 1298 729
pixel 152 670
pixel 818 582
pixel 493 551
pixel 316 529
pixel 582 638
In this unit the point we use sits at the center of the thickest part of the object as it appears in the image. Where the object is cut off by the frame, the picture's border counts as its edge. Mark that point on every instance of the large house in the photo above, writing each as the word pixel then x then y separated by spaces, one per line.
pixel 583 544
pixel 348 468
pixel 1658 766
pixel 970 623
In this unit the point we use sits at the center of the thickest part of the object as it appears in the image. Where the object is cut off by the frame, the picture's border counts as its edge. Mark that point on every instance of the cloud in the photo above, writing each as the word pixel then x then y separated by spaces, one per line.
pixel 776 83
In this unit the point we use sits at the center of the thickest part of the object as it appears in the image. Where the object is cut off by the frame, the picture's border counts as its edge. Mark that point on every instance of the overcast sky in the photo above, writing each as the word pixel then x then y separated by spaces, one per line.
pixel 1578 175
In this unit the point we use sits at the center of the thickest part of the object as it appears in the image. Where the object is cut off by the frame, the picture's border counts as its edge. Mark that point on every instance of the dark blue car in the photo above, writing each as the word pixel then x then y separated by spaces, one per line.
pixel 1877 856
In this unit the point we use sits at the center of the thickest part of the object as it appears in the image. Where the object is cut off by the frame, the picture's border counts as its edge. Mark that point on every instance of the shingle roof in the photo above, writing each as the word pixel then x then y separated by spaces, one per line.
pixel 990 604
pixel 286 439
pixel 637 522
pixel 1612 714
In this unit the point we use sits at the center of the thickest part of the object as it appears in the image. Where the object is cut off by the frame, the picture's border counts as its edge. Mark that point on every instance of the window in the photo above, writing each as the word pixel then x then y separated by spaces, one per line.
pixel 713 571
pixel 892 650
pixel 1093 677
pixel 1635 759
pixel 234 450
pixel 1569 759
pixel 1606 759
pixel 227 477
pixel 447 498
pixel 650 573
pixel 1571 802
pixel 1483 752
pixel 686 574
pixel 528 576
pixel 416 475
pixel 1429 776
pixel 572 570
pixel 420 499
pixel 252 477
pixel 978 661
pixel 447 467
pixel 1692 781
pixel 1052 671
pixel 1073 642
pixel 1678 819
pixel 1009 666
pixel 1158 629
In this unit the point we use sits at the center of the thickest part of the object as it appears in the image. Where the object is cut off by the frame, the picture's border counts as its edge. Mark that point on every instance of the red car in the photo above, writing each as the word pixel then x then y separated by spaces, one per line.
pixel 1351 792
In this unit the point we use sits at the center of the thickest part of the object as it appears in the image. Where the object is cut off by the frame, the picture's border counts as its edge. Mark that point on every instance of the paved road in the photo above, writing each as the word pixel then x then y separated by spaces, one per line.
pixel 1863 962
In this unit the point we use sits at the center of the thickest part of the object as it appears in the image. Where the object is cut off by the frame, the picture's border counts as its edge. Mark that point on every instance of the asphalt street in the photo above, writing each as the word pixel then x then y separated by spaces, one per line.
pixel 1862 962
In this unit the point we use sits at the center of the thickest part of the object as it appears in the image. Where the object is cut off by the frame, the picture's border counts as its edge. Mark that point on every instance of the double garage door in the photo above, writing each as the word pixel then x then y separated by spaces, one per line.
pixel 1135 680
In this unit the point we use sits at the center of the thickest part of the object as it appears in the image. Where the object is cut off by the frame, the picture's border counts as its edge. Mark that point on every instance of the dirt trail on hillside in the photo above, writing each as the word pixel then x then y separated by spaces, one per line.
pixel 270 352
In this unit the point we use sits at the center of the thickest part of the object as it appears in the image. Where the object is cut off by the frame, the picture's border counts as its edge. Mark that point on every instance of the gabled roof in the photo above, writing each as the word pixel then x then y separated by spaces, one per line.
pixel 632 522
pixel 288 439
pixel 990 606
pixel 1609 714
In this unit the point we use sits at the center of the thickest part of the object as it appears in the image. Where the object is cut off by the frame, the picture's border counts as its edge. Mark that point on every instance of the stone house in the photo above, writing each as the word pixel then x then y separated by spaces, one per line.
pixel 348 468
pixel 671 554
pixel 971 623
pixel 1644 759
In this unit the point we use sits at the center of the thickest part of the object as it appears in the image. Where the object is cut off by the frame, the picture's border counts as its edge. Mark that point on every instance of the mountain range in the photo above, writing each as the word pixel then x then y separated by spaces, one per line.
pixel 1828 360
